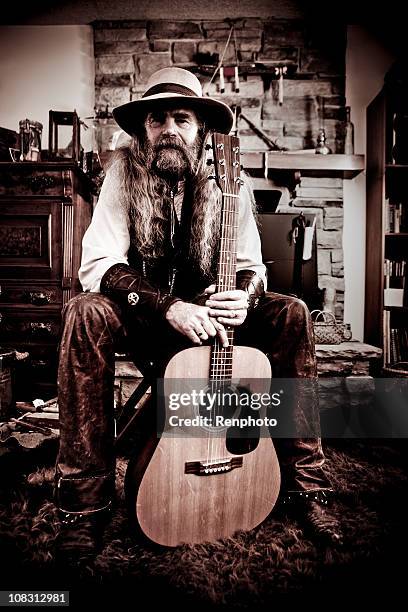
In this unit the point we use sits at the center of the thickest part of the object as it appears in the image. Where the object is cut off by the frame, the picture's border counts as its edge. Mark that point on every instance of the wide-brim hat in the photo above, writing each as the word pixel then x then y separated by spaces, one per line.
pixel 174 87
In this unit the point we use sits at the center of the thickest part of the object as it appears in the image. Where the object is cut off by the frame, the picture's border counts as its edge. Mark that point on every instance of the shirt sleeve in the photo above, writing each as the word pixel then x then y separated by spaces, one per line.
pixel 249 254
pixel 106 241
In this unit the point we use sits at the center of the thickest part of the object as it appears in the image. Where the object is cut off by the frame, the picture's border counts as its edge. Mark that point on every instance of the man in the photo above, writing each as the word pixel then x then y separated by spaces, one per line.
pixel 148 269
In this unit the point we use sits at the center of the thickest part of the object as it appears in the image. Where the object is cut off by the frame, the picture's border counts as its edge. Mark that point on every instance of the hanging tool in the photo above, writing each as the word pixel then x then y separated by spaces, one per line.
pixel 236 67
pixel 222 82
pixel 236 75
pixel 220 64
pixel 297 236
pixel 280 71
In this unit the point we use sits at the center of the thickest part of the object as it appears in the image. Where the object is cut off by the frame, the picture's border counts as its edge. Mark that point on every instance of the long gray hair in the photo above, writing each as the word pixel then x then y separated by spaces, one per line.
pixel 144 198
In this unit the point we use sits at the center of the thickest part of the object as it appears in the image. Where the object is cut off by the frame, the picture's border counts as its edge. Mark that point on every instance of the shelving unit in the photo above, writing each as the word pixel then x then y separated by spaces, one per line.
pixel 386 325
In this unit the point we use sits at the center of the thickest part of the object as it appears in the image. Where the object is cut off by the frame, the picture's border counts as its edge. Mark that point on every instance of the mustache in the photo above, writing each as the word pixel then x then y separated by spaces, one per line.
pixel 170 143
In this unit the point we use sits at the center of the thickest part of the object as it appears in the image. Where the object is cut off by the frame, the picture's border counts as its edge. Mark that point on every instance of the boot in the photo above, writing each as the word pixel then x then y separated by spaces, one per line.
pixel 80 538
pixel 313 510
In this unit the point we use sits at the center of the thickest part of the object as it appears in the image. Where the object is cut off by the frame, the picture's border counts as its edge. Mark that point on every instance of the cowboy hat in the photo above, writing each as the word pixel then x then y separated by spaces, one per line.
pixel 169 87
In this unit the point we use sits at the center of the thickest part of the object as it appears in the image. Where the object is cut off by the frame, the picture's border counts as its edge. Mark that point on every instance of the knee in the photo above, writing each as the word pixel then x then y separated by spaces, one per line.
pixel 87 307
pixel 298 315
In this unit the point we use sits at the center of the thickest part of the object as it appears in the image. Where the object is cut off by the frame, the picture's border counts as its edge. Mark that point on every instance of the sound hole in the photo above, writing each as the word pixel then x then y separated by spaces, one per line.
pixel 242 440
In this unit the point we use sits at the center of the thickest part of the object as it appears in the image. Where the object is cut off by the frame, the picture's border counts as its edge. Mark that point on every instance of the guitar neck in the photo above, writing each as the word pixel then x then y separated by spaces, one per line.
pixel 227 259
pixel 221 358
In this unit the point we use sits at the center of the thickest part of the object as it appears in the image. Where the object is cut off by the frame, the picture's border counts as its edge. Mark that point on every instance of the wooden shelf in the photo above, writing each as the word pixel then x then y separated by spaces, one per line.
pixel 308 164
pixel 43 166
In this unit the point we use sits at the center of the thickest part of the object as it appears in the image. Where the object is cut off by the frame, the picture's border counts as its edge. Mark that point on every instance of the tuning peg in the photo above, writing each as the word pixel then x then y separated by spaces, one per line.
pixel 211 177
pixel 208 147
pixel 210 162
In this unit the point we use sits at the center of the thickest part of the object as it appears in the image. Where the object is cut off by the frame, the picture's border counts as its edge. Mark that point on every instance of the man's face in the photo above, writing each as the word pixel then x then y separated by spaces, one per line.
pixel 173 139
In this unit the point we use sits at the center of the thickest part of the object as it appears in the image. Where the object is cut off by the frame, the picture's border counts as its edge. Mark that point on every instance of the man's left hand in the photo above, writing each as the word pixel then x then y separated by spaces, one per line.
pixel 228 307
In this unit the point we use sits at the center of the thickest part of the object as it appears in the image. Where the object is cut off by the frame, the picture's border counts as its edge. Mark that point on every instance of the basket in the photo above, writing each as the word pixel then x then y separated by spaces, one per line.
pixel 328 330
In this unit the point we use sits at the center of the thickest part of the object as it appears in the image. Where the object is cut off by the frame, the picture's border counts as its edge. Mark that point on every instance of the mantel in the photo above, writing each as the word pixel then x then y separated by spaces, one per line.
pixel 308 164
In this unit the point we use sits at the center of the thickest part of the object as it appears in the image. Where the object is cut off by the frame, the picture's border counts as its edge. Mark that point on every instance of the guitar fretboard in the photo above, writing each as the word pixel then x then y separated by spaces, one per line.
pixel 221 358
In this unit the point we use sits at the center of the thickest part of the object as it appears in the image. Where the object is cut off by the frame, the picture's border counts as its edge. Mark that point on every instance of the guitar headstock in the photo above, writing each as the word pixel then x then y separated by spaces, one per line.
pixel 227 163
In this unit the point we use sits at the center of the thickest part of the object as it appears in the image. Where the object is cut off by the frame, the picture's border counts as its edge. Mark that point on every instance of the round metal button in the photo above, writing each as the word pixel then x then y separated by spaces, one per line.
pixel 133 298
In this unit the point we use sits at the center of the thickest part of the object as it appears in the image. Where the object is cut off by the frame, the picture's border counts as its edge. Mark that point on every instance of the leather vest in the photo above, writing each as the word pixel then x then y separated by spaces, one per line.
pixel 175 271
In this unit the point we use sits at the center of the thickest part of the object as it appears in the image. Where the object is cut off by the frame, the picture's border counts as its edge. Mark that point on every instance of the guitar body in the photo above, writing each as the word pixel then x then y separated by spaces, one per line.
pixel 174 507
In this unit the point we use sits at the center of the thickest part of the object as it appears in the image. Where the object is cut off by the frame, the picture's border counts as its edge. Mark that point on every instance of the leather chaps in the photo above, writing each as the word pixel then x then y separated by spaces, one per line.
pixel 94 328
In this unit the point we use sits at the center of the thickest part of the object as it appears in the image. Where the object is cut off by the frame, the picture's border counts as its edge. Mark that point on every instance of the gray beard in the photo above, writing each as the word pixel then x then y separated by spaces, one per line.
pixel 170 164
pixel 172 161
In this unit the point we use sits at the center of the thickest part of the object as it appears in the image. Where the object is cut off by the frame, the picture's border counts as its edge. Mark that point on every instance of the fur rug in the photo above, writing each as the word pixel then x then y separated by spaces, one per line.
pixel 249 571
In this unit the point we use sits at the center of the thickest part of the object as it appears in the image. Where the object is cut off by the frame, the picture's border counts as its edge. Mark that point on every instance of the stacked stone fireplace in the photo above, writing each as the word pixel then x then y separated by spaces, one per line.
pixel 312 96
pixel 324 198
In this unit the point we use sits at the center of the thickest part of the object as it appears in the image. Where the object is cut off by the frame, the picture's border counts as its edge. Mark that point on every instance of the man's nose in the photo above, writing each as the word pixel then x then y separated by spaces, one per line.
pixel 170 127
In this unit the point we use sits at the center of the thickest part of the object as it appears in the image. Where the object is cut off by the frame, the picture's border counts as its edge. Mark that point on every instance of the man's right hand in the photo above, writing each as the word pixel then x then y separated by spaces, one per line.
pixel 195 322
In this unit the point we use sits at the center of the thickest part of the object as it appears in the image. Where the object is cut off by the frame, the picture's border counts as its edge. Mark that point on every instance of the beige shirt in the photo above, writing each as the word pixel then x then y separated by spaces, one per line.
pixel 106 241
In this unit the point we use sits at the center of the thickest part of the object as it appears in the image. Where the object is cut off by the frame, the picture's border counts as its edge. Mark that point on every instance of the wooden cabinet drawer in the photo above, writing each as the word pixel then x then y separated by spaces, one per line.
pixel 24 180
pixel 41 357
pixel 34 293
pixel 26 327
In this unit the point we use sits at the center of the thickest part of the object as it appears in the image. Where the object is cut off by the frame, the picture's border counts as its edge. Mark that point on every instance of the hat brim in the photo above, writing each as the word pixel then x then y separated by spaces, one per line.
pixel 217 115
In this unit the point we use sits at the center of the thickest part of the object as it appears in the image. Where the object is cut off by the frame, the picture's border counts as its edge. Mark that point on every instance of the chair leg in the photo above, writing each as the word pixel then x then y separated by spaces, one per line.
pixel 132 410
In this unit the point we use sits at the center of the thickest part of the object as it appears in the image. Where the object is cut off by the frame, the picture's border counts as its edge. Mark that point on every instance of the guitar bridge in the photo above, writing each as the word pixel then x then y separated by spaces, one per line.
pixel 208 468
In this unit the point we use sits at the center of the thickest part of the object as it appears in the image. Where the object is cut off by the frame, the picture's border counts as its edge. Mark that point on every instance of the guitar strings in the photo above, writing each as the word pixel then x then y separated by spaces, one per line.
pixel 221 363
pixel 223 356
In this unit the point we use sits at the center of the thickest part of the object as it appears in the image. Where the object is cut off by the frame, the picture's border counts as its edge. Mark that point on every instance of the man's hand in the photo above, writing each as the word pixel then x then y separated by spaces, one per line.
pixel 229 307
pixel 195 322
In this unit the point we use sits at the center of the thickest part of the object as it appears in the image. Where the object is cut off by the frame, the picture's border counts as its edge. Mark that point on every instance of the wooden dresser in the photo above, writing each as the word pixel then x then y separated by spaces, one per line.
pixel 45 208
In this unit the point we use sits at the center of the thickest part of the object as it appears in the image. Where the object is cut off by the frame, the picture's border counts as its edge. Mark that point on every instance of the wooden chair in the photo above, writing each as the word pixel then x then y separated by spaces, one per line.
pixel 135 407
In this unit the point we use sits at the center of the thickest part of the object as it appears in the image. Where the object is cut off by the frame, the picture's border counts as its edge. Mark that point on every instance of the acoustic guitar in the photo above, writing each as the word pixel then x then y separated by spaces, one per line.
pixel 209 475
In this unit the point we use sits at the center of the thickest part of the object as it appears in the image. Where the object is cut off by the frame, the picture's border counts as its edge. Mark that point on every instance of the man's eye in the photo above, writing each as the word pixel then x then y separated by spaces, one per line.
pixel 183 119
pixel 155 120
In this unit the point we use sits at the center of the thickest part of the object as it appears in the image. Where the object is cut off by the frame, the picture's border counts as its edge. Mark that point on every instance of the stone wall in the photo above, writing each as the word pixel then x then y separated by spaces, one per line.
pixel 127 52
pixel 324 198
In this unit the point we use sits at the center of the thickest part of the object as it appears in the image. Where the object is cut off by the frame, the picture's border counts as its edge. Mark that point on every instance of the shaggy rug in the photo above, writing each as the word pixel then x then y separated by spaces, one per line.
pixel 249 571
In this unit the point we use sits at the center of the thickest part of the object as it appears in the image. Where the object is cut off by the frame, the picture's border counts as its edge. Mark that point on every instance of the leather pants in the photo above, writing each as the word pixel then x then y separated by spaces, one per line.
pixel 94 328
